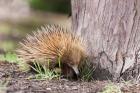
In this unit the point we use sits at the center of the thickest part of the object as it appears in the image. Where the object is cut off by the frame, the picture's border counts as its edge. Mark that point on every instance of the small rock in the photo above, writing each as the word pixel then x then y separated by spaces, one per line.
pixel 48 88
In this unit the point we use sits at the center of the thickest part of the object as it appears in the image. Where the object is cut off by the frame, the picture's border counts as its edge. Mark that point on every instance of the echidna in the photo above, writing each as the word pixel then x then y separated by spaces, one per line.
pixel 52 42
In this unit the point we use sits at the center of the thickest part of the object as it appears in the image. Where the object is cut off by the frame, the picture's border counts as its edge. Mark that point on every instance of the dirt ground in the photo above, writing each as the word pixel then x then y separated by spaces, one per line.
pixel 19 82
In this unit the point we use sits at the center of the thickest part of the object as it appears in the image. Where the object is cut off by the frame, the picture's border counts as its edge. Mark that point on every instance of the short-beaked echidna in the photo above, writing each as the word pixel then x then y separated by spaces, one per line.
pixel 52 42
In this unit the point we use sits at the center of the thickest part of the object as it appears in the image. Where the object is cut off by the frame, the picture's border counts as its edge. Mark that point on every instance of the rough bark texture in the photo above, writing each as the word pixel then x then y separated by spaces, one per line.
pixel 112 31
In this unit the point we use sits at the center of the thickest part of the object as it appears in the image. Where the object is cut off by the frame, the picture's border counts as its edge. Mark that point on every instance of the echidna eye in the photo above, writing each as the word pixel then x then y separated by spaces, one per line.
pixel 69 63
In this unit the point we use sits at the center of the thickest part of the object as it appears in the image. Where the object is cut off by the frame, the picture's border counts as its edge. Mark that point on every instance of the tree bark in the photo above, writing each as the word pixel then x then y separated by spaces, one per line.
pixel 112 31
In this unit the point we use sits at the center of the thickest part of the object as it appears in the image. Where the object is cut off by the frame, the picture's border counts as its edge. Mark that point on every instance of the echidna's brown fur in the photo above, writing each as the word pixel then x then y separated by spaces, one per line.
pixel 51 42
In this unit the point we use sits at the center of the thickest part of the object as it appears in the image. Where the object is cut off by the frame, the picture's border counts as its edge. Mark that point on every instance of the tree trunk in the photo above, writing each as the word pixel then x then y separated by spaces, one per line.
pixel 112 31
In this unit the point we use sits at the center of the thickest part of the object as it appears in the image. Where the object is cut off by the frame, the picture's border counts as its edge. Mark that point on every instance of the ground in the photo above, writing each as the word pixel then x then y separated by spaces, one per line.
pixel 19 82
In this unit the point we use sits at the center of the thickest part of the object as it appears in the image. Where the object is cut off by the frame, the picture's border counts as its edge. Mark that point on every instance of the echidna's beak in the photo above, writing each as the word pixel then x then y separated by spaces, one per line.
pixel 75 68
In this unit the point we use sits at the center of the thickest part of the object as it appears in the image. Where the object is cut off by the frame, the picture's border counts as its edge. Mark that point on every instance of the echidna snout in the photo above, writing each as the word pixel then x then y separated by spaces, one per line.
pixel 72 59
pixel 68 72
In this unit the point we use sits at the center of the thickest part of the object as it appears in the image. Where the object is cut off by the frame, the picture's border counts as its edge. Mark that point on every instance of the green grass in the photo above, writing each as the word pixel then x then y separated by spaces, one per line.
pixel 44 73
pixel 86 71
pixel 9 57
pixel 111 88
